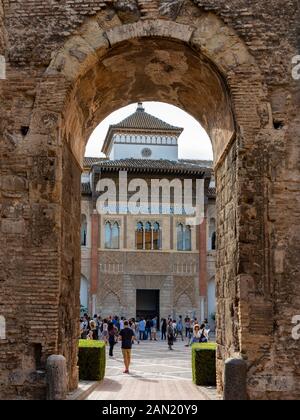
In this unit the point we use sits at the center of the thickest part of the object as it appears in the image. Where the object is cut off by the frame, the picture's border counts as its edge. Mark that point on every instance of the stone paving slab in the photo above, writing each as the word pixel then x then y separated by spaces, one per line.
pixel 156 374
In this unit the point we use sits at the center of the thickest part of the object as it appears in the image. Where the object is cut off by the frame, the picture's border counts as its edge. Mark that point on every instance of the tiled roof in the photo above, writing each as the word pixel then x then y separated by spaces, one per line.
pixel 148 165
pixel 88 162
pixel 203 163
pixel 141 120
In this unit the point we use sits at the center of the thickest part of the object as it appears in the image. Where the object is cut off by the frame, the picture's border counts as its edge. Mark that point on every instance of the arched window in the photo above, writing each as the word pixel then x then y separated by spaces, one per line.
pixel 156 237
pixel 188 239
pixel 108 236
pixel 140 236
pixel 148 236
pixel 83 230
pixel 184 238
pixel 112 235
pixel 180 235
pixel 214 241
pixel 115 236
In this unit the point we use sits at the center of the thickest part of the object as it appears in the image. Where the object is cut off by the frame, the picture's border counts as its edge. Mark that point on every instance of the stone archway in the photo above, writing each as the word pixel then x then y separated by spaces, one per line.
pixel 179 64
pixel 192 60
pixel 165 61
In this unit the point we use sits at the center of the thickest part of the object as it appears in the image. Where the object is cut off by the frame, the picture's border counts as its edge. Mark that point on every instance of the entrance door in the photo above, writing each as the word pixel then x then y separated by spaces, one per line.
pixel 147 304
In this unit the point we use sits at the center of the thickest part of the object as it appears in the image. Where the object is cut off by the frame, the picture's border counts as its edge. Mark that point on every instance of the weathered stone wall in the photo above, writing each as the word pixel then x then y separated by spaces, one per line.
pixel 69 298
pixel 50 47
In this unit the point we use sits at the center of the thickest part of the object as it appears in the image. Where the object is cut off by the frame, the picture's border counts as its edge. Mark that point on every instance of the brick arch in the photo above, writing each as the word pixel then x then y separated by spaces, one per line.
pixel 63 115
pixel 183 295
pixel 217 47
pixel 196 65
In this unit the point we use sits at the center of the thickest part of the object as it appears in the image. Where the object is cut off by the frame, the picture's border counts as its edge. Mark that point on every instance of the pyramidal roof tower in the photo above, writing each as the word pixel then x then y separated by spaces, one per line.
pixel 142 136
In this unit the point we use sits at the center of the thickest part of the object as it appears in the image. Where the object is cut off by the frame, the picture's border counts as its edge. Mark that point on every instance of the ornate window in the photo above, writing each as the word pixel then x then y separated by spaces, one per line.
pixel 156 236
pixel 140 236
pixel 115 236
pixel 112 235
pixel 146 152
pixel 180 234
pixel 188 239
pixel 184 238
pixel 148 236
pixel 83 230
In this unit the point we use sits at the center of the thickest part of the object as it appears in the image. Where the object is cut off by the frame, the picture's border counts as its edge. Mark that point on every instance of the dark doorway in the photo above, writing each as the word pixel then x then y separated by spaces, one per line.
pixel 147 303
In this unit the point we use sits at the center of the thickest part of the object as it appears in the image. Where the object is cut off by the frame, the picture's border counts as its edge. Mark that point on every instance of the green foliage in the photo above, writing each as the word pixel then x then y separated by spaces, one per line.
pixel 204 364
pixel 91 360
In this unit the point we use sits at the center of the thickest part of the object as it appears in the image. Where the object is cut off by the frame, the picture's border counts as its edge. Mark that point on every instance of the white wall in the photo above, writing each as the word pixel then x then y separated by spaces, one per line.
pixel 127 151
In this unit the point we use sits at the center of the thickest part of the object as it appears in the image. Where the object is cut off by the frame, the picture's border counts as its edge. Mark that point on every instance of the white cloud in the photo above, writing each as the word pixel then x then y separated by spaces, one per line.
pixel 194 142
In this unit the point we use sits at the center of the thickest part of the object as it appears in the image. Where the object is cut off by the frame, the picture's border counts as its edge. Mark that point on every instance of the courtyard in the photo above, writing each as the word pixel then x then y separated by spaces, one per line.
pixel 156 374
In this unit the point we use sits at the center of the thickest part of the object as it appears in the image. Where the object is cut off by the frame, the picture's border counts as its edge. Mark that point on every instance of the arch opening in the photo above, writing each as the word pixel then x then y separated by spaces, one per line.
pixel 156 70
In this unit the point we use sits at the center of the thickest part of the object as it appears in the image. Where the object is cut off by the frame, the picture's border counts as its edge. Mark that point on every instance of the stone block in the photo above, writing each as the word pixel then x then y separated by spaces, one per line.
pixel 56 378
pixel 235 380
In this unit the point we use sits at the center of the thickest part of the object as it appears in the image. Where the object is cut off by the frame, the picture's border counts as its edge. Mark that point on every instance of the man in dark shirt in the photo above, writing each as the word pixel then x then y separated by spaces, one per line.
pixel 127 337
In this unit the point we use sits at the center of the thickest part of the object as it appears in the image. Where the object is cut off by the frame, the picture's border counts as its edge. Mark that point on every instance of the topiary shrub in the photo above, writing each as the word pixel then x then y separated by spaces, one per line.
pixel 91 360
pixel 204 364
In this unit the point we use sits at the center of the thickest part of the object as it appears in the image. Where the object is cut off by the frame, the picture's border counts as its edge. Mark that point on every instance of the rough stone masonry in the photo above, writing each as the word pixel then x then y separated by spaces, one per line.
pixel 226 62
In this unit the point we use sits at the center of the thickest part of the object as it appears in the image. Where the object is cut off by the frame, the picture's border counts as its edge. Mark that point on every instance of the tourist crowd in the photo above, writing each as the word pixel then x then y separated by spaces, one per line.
pixel 170 330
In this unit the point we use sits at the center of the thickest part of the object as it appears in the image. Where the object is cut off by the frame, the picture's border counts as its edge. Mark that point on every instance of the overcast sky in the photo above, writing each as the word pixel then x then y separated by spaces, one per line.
pixel 194 143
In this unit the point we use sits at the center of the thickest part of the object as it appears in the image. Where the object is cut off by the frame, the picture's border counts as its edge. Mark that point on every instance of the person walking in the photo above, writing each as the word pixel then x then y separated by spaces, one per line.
pixel 174 323
pixel 142 327
pixel 93 334
pixel 105 331
pixel 122 323
pixel 154 329
pixel 127 337
pixel 180 328
pixel 187 322
pixel 163 329
pixel 199 335
pixel 170 335
pixel 148 329
pixel 136 327
pixel 203 334
pixel 112 338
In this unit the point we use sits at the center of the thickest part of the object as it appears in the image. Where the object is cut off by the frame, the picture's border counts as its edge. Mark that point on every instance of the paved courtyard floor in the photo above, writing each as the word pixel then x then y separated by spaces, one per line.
pixel 156 374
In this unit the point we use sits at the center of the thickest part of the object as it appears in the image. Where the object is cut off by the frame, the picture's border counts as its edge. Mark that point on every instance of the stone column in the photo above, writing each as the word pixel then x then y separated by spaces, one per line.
pixel 56 378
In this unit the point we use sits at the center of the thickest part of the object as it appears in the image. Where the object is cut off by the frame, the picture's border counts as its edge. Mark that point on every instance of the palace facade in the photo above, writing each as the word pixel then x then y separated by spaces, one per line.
pixel 155 261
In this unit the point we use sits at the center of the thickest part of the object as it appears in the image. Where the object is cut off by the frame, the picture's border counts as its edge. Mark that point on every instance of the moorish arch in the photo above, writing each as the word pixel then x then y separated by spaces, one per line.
pixel 111 304
pixel 199 63
pixel 185 303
